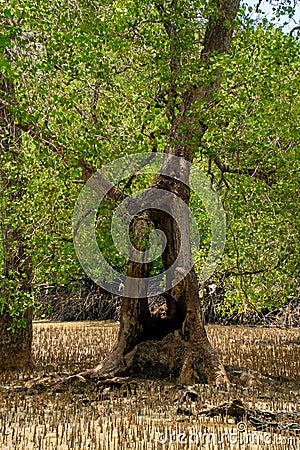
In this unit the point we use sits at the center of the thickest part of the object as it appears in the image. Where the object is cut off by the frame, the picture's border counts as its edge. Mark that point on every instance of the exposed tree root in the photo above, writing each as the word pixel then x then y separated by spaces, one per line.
pixel 260 420
pixel 171 359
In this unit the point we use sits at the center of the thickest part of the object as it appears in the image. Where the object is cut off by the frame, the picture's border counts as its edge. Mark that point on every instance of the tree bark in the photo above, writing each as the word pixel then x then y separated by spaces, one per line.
pixel 174 345
pixel 15 345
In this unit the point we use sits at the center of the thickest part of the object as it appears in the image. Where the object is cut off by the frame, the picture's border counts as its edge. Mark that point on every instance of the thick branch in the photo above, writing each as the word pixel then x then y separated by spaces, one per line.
pixel 175 61
pixel 217 39
pixel 47 141
pixel 219 30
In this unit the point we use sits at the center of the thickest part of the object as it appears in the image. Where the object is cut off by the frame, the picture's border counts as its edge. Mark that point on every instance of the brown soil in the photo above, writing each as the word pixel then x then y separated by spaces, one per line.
pixel 46 409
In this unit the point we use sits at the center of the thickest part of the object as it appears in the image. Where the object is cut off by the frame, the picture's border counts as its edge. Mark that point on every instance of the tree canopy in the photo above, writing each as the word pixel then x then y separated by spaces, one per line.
pixel 94 81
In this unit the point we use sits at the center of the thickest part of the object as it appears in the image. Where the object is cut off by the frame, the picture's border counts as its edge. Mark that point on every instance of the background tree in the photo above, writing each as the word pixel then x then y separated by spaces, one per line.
pixel 250 149
pixel 15 289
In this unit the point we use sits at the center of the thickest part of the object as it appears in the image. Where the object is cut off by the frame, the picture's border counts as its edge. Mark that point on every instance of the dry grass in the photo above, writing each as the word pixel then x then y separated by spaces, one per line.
pixel 143 415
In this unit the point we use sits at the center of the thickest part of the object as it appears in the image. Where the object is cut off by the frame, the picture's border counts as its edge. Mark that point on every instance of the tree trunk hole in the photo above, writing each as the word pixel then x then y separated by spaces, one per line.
pixel 162 347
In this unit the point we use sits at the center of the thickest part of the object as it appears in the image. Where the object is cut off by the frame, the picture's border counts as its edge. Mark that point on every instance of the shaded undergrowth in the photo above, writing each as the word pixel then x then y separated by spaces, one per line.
pixel 80 303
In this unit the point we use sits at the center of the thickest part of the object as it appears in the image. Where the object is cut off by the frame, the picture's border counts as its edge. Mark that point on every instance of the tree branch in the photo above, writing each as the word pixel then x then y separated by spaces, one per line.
pixel 88 169
pixel 258 6
pixel 48 141
pixel 253 173
pixel 294 29
pixel 175 62
pixel 264 270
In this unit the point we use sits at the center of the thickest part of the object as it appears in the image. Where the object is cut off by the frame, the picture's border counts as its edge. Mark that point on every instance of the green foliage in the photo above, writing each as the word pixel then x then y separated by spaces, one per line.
pixel 254 124
pixel 92 83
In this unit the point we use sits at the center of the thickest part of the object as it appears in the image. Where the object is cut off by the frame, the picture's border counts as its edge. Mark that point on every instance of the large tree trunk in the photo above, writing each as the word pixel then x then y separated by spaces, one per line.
pixel 174 345
pixel 15 345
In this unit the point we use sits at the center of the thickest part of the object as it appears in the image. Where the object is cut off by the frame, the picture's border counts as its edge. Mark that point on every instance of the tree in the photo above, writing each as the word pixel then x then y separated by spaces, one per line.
pixel 251 154
pixel 107 80
pixel 18 262
pixel 15 311
pixel 176 345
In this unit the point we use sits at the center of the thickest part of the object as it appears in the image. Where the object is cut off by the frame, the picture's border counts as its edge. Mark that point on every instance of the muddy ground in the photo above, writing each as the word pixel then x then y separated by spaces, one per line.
pixel 45 409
